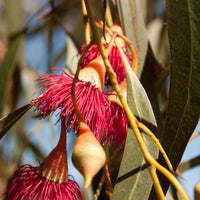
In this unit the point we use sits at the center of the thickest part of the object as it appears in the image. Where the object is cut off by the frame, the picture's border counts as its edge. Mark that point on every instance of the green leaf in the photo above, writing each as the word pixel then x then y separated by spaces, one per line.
pixel 151 68
pixel 134 181
pixel 194 162
pixel 134 28
pixel 71 60
pixel 7 122
pixel 183 19
pixel 138 100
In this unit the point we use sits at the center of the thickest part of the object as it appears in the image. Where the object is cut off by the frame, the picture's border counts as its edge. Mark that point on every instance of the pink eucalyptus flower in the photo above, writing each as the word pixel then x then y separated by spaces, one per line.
pixel 49 181
pixel 28 183
pixel 114 58
pixel 94 106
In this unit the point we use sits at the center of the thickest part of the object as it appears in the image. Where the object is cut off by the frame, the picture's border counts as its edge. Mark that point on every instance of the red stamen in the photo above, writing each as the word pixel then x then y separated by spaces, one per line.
pixel 28 183
pixel 118 126
pixel 94 106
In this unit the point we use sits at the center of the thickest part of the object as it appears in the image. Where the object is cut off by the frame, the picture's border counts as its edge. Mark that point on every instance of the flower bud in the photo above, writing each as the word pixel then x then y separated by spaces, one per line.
pixel 94 72
pixel 54 167
pixel 88 155
pixel 118 29
pixel 123 89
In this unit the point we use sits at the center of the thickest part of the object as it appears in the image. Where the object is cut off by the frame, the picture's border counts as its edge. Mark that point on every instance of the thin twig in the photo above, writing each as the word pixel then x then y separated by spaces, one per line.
pixel 129 113
pixel 98 190
pixel 76 108
pixel 194 136
pixel 108 15
pixel 170 195
pixel 108 181
pixel 127 41
pixel 86 23
pixel 156 183
pixel 156 141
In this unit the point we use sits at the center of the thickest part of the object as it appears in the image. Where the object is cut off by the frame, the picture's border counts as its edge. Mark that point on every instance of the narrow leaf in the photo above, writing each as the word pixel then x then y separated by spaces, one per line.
pixel 134 28
pixel 194 162
pixel 138 100
pixel 134 180
pixel 183 19
pixel 151 69
pixel 7 122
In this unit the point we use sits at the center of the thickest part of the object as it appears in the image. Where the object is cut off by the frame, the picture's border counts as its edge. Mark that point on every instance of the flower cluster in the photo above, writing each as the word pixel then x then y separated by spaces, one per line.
pixel 99 112
pixel 106 119
pixel 102 120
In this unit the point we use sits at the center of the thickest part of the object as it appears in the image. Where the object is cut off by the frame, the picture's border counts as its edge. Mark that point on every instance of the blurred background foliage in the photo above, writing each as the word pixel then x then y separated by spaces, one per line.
pixel 36 36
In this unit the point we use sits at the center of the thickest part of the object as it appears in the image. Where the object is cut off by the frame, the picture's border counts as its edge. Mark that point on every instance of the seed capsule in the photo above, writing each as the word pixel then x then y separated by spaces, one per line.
pixel 88 155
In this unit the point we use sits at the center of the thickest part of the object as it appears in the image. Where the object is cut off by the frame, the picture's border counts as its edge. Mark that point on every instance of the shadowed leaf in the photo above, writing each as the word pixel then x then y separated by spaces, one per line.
pixel 134 181
pixel 183 19
pixel 152 69
pixel 138 100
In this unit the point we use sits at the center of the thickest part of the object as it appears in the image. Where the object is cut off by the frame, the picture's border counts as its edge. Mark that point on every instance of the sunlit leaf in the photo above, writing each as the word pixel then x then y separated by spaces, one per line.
pixel 134 28
pixel 7 122
pixel 184 96
pixel 138 100
pixel 134 179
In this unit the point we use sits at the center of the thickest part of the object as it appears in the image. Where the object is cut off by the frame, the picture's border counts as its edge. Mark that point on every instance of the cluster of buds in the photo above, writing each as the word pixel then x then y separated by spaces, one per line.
pixel 102 120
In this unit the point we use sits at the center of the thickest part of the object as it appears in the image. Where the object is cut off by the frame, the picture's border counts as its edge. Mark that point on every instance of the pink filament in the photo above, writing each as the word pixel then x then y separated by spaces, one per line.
pixel 118 125
pixel 94 106
pixel 27 183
